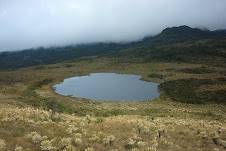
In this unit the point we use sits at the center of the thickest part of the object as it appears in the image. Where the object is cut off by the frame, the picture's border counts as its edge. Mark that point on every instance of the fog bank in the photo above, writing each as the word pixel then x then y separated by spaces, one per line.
pixel 33 23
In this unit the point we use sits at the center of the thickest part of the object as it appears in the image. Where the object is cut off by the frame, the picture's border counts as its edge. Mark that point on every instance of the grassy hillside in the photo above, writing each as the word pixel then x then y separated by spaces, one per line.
pixel 210 54
pixel 26 90
pixel 190 113
pixel 209 51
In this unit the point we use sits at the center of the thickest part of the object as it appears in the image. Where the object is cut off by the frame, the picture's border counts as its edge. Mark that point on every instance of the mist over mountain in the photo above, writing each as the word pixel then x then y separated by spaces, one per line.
pixel 44 56
pixel 31 23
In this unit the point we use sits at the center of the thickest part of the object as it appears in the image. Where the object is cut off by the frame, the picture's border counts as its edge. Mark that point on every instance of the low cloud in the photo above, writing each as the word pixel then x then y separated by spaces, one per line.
pixel 33 23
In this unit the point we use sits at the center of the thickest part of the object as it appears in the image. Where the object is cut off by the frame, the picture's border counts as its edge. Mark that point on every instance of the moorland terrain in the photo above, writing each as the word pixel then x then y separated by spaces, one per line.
pixel 190 114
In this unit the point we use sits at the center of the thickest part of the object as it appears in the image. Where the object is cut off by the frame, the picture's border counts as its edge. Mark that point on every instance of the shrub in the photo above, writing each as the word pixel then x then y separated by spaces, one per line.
pixel 2 144
pixel 100 120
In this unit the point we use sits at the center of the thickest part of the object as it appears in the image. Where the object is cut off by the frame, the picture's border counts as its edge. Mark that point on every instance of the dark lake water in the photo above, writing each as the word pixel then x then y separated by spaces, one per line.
pixel 109 87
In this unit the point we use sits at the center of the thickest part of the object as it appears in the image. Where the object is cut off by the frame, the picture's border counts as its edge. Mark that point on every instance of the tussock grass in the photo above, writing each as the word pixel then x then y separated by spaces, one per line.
pixel 29 103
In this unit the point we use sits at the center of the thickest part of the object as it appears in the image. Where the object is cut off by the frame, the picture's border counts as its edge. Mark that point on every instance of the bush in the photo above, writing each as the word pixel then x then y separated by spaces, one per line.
pixel 154 75
pixel 100 120
pixel 186 91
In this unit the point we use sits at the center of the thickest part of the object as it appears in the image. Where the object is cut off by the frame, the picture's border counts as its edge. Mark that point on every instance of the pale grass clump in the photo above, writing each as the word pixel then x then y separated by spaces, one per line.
pixel 111 139
pixel 214 134
pixel 135 149
pixel 129 143
pixel 64 142
pixel 163 140
pixel 18 148
pixel 37 138
pixel 139 138
pixel 69 131
pixel 140 127
pixel 153 148
pixel 46 145
pixel 2 144
pixel 154 143
pixel 72 127
pixel 106 140
pixel 100 133
pixel 31 115
pixel 146 129
pixel 222 143
pixel 87 117
pixel 202 135
pixel 32 134
pixel 84 131
pixel 89 149
pixel 170 144
pixel 177 124
pixel 134 137
pixel 69 148
pixel 161 130
pixel 155 134
pixel 162 127
pixel 78 135
pixel 78 141
pixel 82 124
pixel 94 138
pixel 140 144
pixel 44 137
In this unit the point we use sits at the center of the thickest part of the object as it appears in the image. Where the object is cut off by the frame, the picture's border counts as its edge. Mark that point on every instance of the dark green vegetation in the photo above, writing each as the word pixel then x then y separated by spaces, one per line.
pixel 198 71
pixel 183 34
pixel 155 75
pixel 209 52
pixel 169 36
pixel 44 56
pixel 189 91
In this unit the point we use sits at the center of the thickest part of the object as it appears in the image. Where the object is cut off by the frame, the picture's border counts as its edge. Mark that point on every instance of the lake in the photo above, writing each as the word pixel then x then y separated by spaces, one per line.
pixel 108 87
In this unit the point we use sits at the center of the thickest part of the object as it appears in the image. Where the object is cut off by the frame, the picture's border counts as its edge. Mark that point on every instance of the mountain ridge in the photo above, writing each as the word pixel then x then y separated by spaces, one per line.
pixel 45 56
pixel 183 34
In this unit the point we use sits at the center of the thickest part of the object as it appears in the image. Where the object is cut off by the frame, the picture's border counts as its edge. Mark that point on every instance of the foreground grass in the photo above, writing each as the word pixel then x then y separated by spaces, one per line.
pixel 27 97
pixel 28 128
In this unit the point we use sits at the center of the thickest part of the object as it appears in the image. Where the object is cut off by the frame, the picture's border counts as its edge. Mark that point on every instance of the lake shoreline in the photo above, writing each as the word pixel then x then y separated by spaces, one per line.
pixel 114 76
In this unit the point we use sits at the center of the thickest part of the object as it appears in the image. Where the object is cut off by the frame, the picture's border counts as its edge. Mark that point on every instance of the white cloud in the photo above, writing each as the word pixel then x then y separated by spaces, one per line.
pixel 33 23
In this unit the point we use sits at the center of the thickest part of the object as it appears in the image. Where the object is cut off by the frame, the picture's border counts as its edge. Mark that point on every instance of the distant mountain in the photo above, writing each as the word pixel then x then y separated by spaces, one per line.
pixel 206 51
pixel 44 56
pixel 221 31
pixel 183 34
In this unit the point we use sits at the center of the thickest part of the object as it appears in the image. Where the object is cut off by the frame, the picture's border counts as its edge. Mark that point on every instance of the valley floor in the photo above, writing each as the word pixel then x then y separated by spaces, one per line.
pixel 34 117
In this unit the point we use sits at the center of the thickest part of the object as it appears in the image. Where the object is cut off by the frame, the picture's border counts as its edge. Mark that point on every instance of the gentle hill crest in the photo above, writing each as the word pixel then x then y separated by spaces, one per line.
pixel 183 34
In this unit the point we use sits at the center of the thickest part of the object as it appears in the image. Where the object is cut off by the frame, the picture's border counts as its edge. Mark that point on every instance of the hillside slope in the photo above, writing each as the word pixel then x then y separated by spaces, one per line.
pixel 209 51
pixel 190 113
pixel 44 56
pixel 183 34
pixel 210 54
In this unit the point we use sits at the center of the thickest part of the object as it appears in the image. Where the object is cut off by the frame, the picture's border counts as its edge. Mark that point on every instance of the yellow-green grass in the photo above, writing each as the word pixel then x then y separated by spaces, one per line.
pixel 19 89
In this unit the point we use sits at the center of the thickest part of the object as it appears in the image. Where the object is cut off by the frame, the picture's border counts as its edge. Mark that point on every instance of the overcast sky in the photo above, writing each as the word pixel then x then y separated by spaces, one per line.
pixel 34 23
